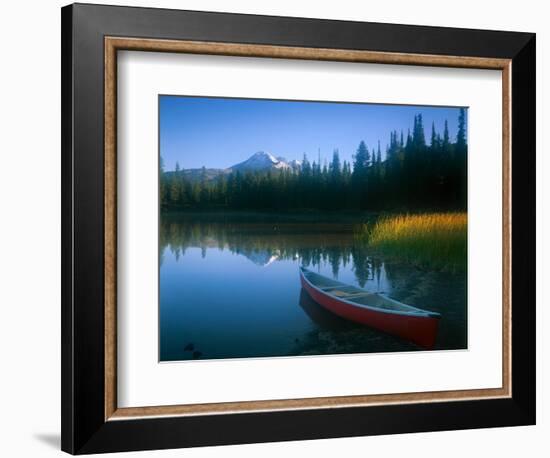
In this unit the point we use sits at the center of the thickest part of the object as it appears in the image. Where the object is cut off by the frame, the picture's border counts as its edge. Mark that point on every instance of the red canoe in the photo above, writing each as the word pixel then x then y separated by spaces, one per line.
pixel 372 309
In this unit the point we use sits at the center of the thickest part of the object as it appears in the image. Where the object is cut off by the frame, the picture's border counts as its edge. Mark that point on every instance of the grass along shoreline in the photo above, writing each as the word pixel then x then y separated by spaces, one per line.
pixel 435 240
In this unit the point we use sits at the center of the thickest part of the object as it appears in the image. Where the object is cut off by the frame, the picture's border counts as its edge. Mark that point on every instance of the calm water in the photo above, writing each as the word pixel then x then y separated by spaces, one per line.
pixel 232 290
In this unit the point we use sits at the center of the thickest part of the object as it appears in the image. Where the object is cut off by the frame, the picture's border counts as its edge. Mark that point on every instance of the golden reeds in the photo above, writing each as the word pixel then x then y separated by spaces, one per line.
pixel 432 239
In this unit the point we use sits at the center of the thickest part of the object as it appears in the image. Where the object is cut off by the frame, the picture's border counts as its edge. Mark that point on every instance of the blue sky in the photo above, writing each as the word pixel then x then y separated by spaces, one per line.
pixel 220 132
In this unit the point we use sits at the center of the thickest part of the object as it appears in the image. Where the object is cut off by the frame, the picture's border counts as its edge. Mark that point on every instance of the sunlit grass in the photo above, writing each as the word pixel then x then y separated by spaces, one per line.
pixel 433 239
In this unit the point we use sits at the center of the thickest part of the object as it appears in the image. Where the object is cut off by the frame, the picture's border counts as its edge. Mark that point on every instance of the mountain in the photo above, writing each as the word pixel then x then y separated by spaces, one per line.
pixel 260 161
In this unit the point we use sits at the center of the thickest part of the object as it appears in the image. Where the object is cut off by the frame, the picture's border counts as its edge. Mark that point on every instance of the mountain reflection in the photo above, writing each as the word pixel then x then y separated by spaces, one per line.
pixel 312 245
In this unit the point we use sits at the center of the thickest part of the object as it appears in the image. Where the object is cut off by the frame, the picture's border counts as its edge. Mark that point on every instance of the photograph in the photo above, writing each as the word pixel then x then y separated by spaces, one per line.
pixel 297 228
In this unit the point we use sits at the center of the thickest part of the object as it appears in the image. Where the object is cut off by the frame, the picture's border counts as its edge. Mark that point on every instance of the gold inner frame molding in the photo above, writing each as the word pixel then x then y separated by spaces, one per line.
pixel 114 44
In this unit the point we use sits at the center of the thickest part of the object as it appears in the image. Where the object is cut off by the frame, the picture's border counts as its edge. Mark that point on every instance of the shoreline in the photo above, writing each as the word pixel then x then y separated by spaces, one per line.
pixel 256 216
pixel 309 216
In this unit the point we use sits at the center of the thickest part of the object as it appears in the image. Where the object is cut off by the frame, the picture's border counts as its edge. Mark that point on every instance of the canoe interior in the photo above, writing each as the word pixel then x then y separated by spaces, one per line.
pixel 357 295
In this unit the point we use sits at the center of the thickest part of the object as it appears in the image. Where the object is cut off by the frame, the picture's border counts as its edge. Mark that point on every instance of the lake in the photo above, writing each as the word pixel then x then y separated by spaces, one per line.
pixel 230 288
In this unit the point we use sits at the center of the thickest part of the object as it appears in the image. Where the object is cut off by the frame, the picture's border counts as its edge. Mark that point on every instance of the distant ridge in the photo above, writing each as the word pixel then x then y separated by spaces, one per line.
pixel 258 162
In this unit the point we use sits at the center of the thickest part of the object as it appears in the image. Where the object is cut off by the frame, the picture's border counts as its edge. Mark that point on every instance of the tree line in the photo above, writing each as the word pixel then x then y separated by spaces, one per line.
pixel 415 174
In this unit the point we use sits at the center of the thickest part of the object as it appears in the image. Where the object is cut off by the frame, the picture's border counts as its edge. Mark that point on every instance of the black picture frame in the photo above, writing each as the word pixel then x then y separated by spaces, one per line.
pixel 84 428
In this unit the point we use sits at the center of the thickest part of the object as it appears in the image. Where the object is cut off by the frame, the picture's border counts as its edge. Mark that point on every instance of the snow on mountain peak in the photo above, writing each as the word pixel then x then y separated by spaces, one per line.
pixel 263 156
pixel 261 161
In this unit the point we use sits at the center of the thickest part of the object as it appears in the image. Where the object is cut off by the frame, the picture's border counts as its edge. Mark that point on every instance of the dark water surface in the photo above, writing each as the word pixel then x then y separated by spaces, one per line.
pixel 231 289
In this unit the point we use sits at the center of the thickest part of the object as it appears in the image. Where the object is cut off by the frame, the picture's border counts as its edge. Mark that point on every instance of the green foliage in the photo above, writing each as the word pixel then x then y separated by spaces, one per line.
pixel 413 176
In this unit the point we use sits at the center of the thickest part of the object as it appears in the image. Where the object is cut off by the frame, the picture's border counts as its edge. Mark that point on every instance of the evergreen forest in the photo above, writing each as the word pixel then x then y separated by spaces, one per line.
pixel 416 174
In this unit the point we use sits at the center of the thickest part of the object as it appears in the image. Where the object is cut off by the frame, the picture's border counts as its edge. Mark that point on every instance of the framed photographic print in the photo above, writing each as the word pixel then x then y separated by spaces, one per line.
pixel 282 228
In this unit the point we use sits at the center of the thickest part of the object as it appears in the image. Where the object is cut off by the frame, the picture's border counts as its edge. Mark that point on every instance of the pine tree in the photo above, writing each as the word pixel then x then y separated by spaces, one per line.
pixel 461 165
pixel 335 169
pixel 175 186
pixel 461 134
pixel 346 172
pixel 419 141
pixel 360 176
pixel 361 161
pixel 306 167
pixel 446 140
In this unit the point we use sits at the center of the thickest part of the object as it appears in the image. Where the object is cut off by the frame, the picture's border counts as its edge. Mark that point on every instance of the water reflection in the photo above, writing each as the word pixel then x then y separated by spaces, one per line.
pixel 312 244
pixel 231 289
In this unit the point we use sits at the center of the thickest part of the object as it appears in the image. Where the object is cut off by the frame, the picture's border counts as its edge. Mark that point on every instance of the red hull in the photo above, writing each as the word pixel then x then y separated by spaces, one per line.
pixel 419 330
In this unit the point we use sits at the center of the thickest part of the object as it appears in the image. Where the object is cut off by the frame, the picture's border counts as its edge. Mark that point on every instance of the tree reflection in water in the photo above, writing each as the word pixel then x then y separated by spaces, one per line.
pixel 311 244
